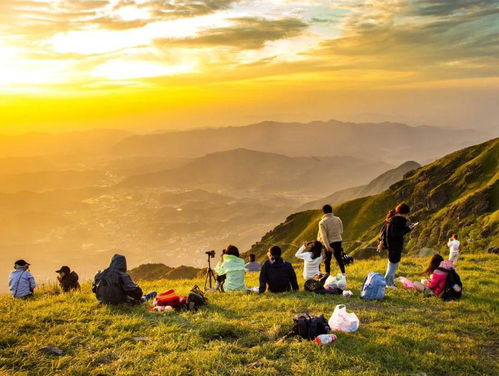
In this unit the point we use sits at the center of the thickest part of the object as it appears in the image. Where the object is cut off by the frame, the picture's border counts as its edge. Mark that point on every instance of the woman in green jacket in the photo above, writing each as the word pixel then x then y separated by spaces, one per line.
pixel 232 267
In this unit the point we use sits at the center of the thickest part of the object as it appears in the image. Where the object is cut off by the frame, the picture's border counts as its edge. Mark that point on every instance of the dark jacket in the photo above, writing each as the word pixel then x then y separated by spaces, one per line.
pixel 114 285
pixel 279 275
pixel 397 228
pixel 69 282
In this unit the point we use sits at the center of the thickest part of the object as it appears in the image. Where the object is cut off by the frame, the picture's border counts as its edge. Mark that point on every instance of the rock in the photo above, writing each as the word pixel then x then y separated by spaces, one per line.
pixel 255 365
pixel 52 350
pixel 494 250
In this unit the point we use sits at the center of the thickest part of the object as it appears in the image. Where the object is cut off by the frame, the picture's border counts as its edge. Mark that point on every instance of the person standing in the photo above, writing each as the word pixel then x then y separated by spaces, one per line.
pixel 68 280
pixel 398 226
pixel 454 246
pixel 329 234
pixel 21 282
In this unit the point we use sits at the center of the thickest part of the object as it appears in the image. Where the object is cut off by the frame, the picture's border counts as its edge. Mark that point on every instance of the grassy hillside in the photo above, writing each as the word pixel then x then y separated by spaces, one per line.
pixel 457 193
pixel 237 333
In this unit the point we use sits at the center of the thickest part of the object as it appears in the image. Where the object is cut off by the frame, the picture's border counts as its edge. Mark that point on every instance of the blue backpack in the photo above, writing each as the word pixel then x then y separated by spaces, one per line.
pixel 374 287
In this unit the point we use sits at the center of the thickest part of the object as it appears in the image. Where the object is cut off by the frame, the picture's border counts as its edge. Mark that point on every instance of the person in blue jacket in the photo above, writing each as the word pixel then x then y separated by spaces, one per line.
pixel 21 282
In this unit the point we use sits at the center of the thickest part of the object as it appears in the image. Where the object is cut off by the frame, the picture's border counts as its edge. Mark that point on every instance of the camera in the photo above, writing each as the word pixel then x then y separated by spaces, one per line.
pixel 210 253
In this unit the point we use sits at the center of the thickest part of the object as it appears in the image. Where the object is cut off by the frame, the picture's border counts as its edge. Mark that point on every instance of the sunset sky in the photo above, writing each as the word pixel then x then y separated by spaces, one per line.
pixel 171 64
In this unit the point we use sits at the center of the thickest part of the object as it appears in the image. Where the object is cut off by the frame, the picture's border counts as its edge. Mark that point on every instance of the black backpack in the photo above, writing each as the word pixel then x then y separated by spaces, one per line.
pixel 383 237
pixel 196 298
pixel 309 327
pixel 453 280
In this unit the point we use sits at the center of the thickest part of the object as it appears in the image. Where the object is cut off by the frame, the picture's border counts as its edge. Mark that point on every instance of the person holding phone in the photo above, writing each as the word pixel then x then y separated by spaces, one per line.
pixel 398 226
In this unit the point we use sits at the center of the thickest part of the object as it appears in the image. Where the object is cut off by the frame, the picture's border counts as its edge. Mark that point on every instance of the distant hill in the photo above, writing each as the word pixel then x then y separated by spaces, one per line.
pixel 248 170
pixel 376 186
pixel 154 272
pixel 457 193
pixel 392 142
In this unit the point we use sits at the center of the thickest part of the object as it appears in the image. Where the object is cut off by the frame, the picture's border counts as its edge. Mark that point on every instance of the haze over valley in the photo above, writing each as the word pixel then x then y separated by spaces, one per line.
pixel 76 198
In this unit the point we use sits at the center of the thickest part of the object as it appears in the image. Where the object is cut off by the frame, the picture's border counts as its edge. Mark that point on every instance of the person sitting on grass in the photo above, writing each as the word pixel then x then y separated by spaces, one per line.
pixel 277 274
pixel 115 286
pixel 68 280
pixel 436 284
pixel 311 254
pixel 21 282
pixel 232 266
pixel 253 265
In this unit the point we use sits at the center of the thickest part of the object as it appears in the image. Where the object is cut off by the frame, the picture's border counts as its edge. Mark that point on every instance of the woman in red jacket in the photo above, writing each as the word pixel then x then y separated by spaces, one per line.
pixel 436 283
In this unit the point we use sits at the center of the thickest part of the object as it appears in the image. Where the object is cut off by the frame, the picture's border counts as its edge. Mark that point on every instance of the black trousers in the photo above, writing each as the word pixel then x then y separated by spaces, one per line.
pixel 338 252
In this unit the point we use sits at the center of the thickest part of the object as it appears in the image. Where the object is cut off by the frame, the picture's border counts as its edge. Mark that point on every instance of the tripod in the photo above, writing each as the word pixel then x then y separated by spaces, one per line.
pixel 210 277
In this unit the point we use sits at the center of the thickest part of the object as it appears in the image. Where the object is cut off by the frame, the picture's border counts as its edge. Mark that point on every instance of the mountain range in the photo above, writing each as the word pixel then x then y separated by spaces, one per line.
pixel 377 185
pixel 390 142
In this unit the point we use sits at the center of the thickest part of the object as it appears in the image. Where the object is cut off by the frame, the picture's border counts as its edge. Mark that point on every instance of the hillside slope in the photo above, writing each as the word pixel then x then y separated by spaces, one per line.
pixel 457 193
pixel 237 333
pixel 375 186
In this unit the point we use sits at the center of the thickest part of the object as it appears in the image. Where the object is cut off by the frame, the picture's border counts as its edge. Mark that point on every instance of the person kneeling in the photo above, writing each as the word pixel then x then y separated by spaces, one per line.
pixel 278 274
pixel 115 286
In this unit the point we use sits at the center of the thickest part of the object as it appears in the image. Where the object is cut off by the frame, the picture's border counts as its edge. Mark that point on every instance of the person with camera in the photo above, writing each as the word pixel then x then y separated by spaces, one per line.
pixel 277 274
pixel 232 267
pixel 21 282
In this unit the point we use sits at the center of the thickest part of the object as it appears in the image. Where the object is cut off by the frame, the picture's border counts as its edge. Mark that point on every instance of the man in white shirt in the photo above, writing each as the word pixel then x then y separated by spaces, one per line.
pixel 329 234
pixel 453 245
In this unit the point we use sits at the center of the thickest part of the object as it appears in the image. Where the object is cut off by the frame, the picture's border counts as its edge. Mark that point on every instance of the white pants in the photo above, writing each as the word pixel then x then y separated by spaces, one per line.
pixel 453 256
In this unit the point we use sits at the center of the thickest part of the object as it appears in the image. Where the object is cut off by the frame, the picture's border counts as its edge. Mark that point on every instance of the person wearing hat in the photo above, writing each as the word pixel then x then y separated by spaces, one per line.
pixel 68 280
pixel 21 282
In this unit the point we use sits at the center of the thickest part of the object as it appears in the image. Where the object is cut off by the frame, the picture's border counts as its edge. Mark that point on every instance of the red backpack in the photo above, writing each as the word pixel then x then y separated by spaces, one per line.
pixel 170 298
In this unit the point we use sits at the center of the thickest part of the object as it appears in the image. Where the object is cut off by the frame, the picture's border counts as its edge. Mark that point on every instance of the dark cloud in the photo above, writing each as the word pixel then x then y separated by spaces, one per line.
pixel 247 33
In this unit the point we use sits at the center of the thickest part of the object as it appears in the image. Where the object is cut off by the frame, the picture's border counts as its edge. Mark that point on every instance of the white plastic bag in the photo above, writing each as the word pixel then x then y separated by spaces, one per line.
pixel 343 321
pixel 338 281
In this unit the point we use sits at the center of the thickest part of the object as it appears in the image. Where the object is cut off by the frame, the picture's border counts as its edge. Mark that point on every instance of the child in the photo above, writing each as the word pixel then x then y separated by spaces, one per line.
pixel 453 245
pixel 311 253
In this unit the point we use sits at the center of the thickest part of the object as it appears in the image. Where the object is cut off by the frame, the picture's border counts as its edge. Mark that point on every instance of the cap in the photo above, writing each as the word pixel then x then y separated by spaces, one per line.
pixel 64 269
pixel 21 263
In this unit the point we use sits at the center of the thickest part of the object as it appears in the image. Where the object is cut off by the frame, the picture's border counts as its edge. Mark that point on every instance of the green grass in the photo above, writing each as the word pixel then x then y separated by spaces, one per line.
pixel 406 334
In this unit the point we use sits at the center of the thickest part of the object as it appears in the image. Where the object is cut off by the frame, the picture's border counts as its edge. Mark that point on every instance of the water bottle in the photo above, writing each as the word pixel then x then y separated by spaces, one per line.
pixel 325 339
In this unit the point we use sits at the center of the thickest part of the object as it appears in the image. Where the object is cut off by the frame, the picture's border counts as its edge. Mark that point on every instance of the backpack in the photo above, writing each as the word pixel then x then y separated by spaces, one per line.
pixel 382 239
pixel 347 259
pixel 453 289
pixel 107 287
pixel 309 327
pixel 315 283
pixel 374 287
pixel 170 298
pixel 196 298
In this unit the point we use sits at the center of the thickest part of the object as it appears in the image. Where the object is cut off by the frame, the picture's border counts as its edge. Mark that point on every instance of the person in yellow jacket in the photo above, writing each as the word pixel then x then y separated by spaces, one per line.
pixel 232 266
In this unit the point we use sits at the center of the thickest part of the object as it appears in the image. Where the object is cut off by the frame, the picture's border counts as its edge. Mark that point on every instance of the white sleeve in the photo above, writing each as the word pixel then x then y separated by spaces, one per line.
pixel 303 255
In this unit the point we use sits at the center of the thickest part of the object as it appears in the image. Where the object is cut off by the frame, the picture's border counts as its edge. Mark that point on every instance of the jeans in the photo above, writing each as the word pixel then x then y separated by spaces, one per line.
pixel 338 252
pixel 391 269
